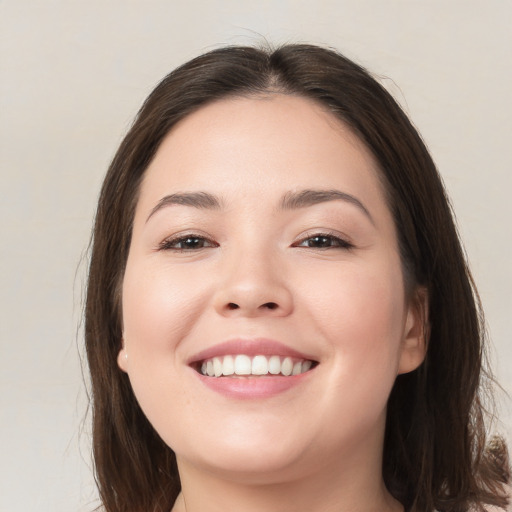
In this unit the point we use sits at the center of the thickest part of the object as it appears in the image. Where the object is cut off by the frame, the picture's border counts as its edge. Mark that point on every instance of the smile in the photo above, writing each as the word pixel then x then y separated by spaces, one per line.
pixel 260 365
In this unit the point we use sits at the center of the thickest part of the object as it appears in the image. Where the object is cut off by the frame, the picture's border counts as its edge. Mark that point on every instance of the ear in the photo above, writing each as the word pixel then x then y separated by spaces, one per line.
pixel 416 332
pixel 122 357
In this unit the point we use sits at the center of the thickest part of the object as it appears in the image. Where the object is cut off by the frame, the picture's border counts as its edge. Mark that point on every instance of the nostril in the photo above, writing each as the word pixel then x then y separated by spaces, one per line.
pixel 232 306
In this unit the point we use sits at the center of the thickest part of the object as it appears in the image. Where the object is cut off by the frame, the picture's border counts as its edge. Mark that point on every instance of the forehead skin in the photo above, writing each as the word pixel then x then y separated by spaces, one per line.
pixel 254 142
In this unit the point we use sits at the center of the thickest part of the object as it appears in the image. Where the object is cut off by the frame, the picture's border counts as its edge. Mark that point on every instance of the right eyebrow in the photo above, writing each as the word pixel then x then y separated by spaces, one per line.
pixel 202 200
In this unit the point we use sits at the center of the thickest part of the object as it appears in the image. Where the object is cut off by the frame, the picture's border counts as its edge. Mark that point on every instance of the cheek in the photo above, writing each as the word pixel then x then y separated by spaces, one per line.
pixel 360 315
pixel 359 310
pixel 160 306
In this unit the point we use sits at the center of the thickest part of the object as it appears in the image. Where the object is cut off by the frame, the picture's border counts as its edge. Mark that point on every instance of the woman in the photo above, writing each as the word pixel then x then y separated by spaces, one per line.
pixel 279 314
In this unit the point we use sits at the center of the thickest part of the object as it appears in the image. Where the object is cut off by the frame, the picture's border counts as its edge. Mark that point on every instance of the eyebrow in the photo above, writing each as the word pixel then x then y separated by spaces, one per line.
pixel 310 197
pixel 290 200
pixel 201 200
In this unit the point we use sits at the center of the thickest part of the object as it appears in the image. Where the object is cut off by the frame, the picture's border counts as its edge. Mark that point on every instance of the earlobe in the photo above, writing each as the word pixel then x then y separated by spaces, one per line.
pixel 416 333
pixel 122 358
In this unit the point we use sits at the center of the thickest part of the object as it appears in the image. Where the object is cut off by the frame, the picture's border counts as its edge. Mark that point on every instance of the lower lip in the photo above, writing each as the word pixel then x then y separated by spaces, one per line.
pixel 252 387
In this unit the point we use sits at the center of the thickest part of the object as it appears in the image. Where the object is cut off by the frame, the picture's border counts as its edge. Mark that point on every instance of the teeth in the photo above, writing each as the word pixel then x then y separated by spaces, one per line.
pixel 287 366
pixel 217 366
pixel 297 368
pixel 258 365
pixel 228 366
pixel 242 365
pixel 274 365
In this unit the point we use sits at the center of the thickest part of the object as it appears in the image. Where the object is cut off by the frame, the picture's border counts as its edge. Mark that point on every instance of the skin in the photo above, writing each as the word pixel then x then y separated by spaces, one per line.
pixel 318 445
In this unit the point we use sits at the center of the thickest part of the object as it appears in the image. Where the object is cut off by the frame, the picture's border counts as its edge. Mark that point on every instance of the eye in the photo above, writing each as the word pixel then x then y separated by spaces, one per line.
pixel 186 243
pixel 323 241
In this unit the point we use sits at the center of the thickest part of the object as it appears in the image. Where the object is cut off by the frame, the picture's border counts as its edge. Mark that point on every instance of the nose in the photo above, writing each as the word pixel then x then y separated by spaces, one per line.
pixel 253 287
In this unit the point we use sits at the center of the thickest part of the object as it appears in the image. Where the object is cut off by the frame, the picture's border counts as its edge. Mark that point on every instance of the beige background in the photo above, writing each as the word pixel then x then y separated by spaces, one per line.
pixel 73 74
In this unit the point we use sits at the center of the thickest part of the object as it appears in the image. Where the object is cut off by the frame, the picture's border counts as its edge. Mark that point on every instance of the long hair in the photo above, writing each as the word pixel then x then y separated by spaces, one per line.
pixel 436 455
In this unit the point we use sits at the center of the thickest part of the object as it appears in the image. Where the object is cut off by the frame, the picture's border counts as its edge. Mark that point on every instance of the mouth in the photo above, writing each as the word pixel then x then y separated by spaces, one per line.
pixel 259 365
pixel 252 368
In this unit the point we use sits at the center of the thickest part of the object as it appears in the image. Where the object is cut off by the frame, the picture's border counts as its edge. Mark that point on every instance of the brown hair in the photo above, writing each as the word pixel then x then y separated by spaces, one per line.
pixel 435 453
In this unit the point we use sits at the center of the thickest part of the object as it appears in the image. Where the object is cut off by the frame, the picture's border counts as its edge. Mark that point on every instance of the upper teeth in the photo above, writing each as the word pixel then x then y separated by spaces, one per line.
pixel 257 365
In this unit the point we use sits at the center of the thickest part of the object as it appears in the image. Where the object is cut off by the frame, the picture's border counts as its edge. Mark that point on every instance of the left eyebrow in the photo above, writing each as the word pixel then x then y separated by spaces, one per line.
pixel 311 197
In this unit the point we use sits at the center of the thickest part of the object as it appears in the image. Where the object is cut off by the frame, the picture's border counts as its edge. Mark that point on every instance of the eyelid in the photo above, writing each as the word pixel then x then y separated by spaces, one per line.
pixel 166 243
pixel 344 241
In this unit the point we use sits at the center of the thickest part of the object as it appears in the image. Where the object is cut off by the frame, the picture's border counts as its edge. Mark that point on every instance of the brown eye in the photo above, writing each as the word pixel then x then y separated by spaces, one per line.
pixel 187 243
pixel 321 241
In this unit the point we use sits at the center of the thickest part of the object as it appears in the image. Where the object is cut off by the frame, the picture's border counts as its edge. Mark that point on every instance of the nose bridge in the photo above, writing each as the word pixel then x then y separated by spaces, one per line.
pixel 252 282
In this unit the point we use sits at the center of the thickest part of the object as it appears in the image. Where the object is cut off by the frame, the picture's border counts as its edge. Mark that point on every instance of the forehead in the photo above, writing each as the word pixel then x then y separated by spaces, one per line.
pixel 261 145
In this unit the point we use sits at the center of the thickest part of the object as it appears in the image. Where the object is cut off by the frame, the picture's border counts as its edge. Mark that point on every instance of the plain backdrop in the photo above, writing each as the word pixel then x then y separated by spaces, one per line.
pixel 73 74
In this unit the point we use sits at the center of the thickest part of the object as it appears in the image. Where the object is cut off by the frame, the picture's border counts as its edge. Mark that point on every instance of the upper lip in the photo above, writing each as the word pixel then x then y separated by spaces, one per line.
pixel 249 347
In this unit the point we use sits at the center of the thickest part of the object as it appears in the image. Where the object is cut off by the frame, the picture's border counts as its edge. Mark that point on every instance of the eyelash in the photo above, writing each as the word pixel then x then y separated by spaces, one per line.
pixel 336 241
pixel 170 244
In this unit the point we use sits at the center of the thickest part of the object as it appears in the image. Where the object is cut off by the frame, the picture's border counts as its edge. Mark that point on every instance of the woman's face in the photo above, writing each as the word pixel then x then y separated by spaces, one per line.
pixel 263 245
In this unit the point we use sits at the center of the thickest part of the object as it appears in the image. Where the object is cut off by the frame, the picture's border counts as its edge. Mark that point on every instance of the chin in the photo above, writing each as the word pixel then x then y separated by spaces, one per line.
pixel 249 459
